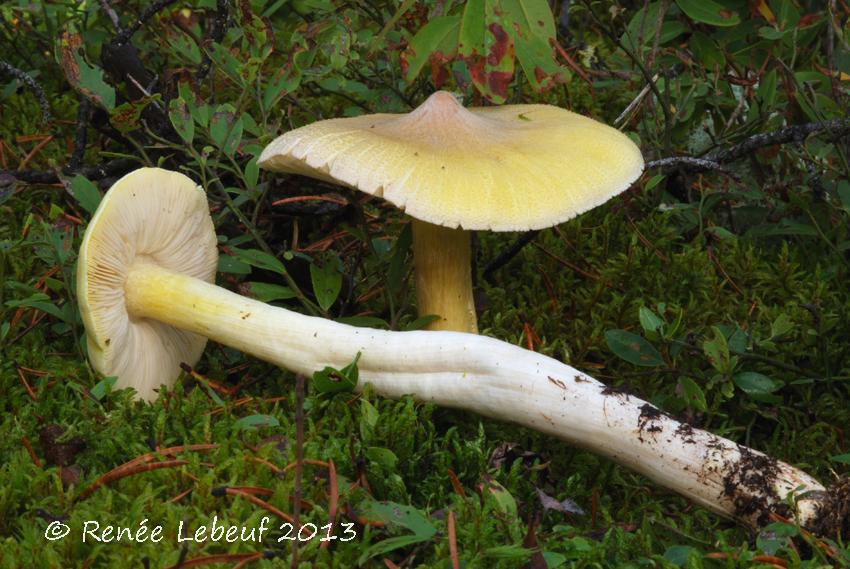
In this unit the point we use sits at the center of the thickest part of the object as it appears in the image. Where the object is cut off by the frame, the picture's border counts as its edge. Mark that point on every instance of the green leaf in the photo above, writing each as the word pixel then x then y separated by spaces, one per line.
pixel 693 394
pixel 721 233
pixel 220 123
pixel 252 173
pixel 781 326
pixel 90 82
pixel 382 456
pixel 775 536
pixel 181 119
pixel 400 515
pixel 754 383
pixel 505 501
pixel 532 28
pixel 228 264
pixel 842 458
pixel 225 61
pixel 226 129
pixel 390 544
pixel 649 321
pixel 40 301
pixel 772 34
pixel 735 337
pixel 265 292
pixel 284 81
pixel 327 283
pixel 435 42
pixel 680 554
pixel 331 380
pixel 368 419
pixel 654 181
pixel 85 193
pixel 706 50
pixel 259 259
pixel 716 350
pixel 709 12
pixel 783 228
pixel 633 348
pixel 487 49
pixel 234 138
pixel 553 559
pixel 103 387
pixel 183 45
pixel 255 421
pixel 421 322
pixel 125 117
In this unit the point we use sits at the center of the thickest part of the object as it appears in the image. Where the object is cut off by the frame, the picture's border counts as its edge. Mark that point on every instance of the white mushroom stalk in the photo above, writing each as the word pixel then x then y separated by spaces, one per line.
pixel 148 294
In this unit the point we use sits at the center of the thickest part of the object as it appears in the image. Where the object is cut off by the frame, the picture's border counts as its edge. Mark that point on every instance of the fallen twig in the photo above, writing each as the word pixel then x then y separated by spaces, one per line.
pixel 334 501
pixel 25 78
pixel 98 172
pixel 794 133
pixel 219 28
pixel 453 541
pixel 247 495
pixel 118 474
pixel 124 36
pixel 715 160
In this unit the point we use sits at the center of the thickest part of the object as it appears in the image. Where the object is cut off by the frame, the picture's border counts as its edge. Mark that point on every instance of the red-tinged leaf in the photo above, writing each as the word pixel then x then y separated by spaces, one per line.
pixel 435 43
pixel 709 12
pixel 84 78
pixel 532 29
pixel 487 49
pixel 537 561
pixel 808 20
pixel 760 8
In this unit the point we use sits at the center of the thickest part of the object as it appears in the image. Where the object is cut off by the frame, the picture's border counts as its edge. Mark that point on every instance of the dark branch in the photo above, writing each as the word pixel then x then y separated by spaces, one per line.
pixel 80 134
pixel 113 17
pixel 98 172
pixel 25 78
pixel 837 128
pixel 219 28
pixel 796 133
pixel 700 163
pixel 146 15
pixel 508 253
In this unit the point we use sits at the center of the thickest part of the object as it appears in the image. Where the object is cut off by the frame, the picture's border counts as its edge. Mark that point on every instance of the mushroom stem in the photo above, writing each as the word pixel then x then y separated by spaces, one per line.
pixel 494 379
pixel 443 267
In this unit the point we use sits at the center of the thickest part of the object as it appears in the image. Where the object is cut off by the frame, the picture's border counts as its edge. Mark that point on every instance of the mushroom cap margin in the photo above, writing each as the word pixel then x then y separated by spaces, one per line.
pixel 155 216
pixel 507 168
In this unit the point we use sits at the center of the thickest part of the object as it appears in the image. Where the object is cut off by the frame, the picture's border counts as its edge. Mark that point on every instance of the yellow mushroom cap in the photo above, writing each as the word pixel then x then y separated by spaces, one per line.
pixel 507 168
pixel 148 216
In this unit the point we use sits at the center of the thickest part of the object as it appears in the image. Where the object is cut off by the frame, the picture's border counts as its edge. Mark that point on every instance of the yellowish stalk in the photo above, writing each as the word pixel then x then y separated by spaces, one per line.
pixel 443 266
pixel 494 379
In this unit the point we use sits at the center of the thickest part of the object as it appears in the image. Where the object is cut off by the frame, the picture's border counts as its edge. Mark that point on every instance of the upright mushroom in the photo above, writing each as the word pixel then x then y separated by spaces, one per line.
pixel 144 283
pixel 452 169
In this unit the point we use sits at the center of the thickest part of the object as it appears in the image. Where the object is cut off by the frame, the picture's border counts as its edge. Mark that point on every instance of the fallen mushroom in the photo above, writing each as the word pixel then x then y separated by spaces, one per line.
pixel 452 169
pixel 144 282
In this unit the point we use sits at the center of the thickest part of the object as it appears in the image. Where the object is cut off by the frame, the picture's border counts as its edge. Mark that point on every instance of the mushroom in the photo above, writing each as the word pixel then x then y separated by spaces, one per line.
pixel 148 303
pixel 453 170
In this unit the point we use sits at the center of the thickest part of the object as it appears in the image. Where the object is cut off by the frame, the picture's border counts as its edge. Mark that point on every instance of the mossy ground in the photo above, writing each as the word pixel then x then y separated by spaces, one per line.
pixel 747 275
pixel 628 520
